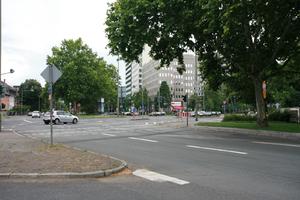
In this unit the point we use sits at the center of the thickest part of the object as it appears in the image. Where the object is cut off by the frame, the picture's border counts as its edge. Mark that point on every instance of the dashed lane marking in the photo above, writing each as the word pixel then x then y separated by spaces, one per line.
pixel 278 144
pixel 107 134
pixel 27 121
pixel 142 139
pixel 214 149
pixel 156 177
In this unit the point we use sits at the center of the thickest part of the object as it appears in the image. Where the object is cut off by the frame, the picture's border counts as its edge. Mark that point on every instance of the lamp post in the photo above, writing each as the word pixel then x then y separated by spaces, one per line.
pixel 118 89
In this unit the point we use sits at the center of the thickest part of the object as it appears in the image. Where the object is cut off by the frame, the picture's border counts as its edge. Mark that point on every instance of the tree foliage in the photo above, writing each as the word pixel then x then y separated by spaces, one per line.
pixel 164 95
pixel 244 40
pixel 85 76
pixel 140 99
pixel 29 94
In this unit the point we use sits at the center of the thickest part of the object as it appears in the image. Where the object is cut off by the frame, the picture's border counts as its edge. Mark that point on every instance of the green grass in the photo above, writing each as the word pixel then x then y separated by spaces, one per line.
pixel 273 126
pixel 98 116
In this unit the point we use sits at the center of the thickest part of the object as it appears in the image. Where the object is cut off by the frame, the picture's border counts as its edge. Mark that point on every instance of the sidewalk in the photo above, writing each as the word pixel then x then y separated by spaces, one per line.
pixel 21 156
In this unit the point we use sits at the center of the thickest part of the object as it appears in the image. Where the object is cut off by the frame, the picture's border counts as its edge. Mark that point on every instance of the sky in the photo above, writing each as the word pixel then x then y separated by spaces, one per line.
pixel 31 28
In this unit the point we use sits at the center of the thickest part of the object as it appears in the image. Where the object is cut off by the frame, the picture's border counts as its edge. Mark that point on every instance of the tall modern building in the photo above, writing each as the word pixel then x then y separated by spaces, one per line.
pixel 147 76
pixel 133 78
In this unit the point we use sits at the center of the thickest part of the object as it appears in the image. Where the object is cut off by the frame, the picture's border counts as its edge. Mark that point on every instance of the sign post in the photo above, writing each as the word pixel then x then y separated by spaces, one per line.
pixel 51 74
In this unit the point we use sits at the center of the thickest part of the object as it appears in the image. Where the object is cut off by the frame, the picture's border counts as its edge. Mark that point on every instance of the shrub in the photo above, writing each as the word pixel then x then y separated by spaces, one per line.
pixel 235 117
pixel 279 116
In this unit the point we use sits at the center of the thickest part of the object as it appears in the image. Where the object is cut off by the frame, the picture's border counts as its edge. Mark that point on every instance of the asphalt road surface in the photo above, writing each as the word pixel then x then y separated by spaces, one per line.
pixel 168 161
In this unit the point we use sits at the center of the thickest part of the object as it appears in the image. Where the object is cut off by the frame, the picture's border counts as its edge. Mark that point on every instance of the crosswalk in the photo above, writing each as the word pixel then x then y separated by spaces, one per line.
pixel 65 131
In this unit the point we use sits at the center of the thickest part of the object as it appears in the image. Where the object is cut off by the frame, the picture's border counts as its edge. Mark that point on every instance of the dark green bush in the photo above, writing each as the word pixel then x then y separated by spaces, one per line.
pixel 279 116
pixel 235 117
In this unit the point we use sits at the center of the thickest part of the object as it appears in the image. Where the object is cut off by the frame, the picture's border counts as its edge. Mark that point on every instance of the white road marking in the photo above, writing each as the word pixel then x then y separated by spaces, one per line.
pixel 153 176
pixel 27 121
pixel 142 139
pixel 279 144
pixel 214 149
pixel 107 134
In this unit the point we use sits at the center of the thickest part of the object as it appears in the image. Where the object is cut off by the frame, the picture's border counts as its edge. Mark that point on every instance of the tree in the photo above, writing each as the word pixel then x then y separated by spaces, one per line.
pixel 29 95
pixel 141 98
pixel 286 89
pixel 164 95
pixel 85 77
pixel 253 40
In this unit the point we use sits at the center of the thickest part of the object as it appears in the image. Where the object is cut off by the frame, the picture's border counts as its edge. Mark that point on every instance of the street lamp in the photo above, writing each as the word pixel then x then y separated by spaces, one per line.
pixel 10 72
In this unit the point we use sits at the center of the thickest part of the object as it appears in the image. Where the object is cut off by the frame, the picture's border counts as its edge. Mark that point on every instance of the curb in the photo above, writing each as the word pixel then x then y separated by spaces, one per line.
pixel 273 134
pixel 92 174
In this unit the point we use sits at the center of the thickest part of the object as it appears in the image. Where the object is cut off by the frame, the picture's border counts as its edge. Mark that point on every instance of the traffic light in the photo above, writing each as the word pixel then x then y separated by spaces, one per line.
pixel 184 98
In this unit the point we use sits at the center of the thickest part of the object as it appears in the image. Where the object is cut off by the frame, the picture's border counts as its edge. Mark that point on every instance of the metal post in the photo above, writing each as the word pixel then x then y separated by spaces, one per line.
pixel 187 109
pixel 142 86
pixel 22 91
pixel 0 61
pixel 118 100
pixel 196 87
pixel 158 99
pixel 51 103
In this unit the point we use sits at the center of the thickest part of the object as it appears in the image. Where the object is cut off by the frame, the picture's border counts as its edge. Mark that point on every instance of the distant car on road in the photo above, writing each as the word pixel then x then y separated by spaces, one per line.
pixel 60 117
pixel 29 114
pixel 157 114
pixel 36 114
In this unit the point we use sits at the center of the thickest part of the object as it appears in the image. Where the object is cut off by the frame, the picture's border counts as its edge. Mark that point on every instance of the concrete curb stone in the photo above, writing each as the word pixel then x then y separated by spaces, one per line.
pixel 92 174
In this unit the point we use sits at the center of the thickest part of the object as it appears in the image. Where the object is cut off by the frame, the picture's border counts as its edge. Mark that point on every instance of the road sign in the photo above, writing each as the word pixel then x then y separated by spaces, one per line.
pixel 51 72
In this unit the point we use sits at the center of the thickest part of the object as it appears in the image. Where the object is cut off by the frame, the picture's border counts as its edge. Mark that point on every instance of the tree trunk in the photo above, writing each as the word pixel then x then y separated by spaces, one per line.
pixel 260 103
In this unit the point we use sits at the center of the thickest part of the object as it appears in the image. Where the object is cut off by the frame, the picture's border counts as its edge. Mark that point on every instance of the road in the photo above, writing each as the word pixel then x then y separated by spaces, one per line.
pixel 168 160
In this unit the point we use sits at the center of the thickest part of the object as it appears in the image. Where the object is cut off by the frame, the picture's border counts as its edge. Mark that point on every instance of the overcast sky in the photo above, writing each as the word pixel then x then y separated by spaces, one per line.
pixel 31 28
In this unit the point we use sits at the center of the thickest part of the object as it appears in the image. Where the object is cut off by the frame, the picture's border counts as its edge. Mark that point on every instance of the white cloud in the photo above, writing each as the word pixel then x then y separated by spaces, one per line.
pixel 32 27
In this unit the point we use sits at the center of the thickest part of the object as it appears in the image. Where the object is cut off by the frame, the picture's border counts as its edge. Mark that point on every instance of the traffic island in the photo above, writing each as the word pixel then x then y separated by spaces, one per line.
pixel 23 157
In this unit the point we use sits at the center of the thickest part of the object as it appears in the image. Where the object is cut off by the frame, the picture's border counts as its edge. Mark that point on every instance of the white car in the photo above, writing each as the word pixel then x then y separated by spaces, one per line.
pixel 60 116
pixel 35 114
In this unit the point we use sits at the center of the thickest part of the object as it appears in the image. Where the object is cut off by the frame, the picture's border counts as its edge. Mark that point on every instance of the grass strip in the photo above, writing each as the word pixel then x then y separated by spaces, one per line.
pixel 273 126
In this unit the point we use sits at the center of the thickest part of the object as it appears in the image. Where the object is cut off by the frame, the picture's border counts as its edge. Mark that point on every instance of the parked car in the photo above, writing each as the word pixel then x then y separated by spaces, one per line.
pixel 157 114
pixel 60 117
pixel 36 114
pixel 29 114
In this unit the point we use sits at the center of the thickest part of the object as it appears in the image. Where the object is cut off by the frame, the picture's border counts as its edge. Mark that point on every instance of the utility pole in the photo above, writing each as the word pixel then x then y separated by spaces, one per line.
pixel 118 87
pixel 0 61
pixel 196 87
pixel 187 109
pixel 142 85
pixel 158 99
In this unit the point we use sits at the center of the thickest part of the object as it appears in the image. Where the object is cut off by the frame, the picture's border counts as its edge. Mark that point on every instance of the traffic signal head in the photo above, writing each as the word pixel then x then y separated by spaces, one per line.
pixel 184 98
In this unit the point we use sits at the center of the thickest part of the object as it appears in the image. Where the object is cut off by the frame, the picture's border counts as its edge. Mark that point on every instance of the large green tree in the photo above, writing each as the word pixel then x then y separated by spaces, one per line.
pixel 29 95
pixel 85 76
pixel 249 39
pixel 164 95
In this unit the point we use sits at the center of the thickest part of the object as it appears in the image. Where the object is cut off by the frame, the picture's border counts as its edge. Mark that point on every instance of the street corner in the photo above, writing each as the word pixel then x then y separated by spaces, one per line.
pixel 23 157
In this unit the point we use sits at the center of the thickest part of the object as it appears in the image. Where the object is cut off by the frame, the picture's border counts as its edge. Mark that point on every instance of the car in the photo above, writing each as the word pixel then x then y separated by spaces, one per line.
pixel 60 116
pixel 29 114
pixel 36 114
pixel 157 114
